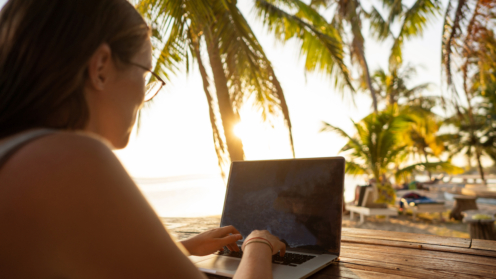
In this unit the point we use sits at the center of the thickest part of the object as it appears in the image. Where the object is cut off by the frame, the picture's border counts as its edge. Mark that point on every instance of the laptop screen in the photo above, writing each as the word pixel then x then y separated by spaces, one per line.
pixel 299 200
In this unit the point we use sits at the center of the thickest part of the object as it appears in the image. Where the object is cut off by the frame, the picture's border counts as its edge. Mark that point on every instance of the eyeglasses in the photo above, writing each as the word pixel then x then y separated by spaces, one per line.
pixel 154 85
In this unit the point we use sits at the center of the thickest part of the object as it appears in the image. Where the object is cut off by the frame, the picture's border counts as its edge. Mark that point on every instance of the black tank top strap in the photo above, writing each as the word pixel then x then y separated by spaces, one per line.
pixel 13 144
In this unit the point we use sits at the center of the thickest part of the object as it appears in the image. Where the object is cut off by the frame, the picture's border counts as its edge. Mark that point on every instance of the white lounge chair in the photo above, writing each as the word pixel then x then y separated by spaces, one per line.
pixel 369 208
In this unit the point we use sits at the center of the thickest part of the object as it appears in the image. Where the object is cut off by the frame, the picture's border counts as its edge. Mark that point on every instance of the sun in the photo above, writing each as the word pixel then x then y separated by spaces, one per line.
pixel 262 140
pixel 239 130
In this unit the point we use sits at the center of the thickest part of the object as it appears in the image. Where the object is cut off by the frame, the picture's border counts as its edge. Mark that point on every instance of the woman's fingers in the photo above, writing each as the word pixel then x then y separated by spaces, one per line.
pixel 230 240
pixel 283 250
pixel 228 236
pixel 233 247
pixel 221 232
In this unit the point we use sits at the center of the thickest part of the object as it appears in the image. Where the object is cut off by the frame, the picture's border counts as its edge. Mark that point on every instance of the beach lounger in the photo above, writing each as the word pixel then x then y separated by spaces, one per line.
pixel 421 204
pixel 365 206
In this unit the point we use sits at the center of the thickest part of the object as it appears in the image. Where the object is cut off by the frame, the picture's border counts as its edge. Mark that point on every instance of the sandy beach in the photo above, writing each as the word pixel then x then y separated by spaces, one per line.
pixel 183 228
pixel 188 207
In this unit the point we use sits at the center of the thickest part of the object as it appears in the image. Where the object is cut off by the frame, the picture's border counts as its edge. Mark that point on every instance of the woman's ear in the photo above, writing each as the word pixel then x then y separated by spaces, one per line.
pixel 99 67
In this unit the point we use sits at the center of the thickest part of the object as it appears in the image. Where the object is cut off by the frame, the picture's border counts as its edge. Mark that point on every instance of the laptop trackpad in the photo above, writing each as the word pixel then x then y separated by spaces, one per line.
pixel 221 265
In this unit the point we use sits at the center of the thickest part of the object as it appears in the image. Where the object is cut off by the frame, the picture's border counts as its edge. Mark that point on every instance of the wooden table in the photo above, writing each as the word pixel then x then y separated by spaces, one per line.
pixel 480 228
pixel 462 203
pixel 384 254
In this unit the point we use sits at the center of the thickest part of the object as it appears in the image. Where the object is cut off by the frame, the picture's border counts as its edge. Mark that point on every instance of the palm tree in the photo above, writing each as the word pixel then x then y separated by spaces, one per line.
pixel 374 149
pixel 485 88
pixel 349 14
pixel 393 87
pixel 346 24
pixel 472 137
pixel 377 149
pixel 239 66
pixel 469 38
pixel 421 136
pixel 412 21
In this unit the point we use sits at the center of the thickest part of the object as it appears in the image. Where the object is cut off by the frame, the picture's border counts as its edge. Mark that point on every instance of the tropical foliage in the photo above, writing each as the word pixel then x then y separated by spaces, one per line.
pixel 382 145
pixel 240 69
pixel 469 61
pixel 345 28
pixel 321 43
pixel 404 135
pixel 392 87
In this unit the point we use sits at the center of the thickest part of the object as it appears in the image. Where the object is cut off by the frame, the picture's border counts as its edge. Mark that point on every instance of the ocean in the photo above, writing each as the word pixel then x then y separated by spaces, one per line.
pixel 197 195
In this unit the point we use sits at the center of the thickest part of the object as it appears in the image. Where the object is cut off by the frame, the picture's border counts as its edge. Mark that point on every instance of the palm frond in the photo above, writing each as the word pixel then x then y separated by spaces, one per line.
pixel 447 167
pixel 414 20
pixel 355 169
pixel 352 143
pixel 321 43
pixel 451 33
pixel 380 27
pixel 418 16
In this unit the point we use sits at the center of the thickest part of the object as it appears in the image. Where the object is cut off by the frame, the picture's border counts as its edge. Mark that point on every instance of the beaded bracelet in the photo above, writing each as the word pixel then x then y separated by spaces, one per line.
pixel 257 241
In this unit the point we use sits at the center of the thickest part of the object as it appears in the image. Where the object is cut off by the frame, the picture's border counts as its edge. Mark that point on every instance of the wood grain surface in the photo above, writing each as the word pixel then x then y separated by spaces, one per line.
pixel 408 237
pixel 383 254
pixel 489 245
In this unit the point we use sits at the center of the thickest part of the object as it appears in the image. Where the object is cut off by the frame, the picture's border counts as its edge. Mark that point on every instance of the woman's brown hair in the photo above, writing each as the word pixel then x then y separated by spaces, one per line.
pixel 45 46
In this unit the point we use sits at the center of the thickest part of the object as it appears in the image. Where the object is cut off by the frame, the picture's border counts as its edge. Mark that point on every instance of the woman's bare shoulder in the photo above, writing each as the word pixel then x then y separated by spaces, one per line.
pixel 62 163
pixel 54 152
pixel 63 143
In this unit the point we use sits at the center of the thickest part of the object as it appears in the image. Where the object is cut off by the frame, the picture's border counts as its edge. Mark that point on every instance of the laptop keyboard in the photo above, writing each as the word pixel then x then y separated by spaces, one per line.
pixel 289 259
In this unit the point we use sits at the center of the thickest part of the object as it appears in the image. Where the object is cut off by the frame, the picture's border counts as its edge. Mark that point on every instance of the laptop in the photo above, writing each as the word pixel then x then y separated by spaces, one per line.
pixel 298 200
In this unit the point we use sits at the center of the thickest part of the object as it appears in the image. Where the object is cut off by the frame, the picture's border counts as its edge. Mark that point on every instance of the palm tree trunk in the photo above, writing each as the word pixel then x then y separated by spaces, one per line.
pixel 218 141
pixel 365 68
pixel 477 148
pixel 228 116
pixel 392 99
pixel 472 131
pixel 479 164
pixel 358 42
pixel 284 108
pixel 427 162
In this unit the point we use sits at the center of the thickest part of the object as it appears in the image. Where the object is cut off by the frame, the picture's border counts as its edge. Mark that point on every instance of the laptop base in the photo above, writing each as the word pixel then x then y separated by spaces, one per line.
pixel 227 266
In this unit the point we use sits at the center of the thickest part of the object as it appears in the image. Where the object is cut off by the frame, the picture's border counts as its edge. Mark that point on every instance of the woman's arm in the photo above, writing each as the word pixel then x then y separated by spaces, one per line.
pixel 257 255
pixel 83 216
pixel 256 262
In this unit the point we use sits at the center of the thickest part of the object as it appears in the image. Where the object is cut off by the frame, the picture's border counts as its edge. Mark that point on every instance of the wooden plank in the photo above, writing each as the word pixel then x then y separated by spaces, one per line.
pixel 348 247
pixel 470 269
pixel 408 237
pixel 402 270
pixel 403 244
pixel 343 270
pixel 481 244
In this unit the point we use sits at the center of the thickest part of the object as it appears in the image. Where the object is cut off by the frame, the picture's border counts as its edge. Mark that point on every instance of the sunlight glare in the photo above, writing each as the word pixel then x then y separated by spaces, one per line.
pixel 238 130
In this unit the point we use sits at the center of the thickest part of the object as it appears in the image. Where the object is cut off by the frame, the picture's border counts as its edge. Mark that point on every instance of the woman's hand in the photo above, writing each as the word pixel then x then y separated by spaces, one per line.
pixel 277 244
pixel 257 256
pixel 212 241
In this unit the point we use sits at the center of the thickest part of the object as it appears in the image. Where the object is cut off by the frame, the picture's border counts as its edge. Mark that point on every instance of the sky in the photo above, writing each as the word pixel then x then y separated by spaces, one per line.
pixel 176 138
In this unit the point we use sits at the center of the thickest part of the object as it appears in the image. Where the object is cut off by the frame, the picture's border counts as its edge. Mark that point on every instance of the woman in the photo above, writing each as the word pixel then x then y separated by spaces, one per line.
pixel 72 79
